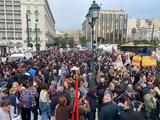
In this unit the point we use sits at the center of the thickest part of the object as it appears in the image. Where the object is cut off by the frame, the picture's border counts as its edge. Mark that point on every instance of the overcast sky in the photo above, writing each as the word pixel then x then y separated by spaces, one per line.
pixel 69 14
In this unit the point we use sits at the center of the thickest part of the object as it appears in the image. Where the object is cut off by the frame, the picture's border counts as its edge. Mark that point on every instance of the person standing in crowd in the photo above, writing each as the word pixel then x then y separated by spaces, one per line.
pixel 14 108
pixel 54 99
pixel 150 105
pixel 84 107
pixel 44 102
pixel 4 110
pixel 34 94
pixel 110 110
pixel 26 103
pixel 129 113
pixel 92 99
pixel 62 110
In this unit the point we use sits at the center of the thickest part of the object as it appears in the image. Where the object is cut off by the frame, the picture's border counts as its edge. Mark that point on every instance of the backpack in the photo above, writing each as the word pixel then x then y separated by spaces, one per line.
pixel 26 99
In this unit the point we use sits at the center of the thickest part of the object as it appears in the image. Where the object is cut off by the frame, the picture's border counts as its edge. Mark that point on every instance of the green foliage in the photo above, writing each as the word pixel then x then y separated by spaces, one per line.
pixel 71 42
pixel 60 41
pixel 83 41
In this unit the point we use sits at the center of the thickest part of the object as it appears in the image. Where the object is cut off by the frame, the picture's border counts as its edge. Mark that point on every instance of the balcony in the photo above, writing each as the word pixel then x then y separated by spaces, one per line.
pixel 17 19
pixel 1 10
pixel 10 28
pixel 18 28
pixel 16 1
pixel 17 10
pixel 18 38
pixel 9 10
pixel 3 38
pixel 2 28
pixel 10 38
pixel 9 19
pixel 8 1
pixel 2 19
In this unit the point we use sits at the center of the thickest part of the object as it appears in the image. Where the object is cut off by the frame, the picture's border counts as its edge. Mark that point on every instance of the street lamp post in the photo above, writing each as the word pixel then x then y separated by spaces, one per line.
pixel 28 35
pixel 92 17
pixel 37 44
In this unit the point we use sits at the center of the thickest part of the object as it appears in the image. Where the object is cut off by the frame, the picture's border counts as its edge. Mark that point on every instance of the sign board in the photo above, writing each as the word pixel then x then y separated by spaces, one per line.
pixel 149 61
pixel 136 60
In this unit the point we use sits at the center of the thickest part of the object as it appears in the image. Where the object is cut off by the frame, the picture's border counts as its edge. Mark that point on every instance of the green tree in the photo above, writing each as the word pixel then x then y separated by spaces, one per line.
pixel 71 42
pixel 82 41
pixel 60 41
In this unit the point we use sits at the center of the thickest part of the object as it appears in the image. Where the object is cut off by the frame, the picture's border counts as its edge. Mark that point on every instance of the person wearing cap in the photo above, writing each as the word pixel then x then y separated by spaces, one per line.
pixel 110 110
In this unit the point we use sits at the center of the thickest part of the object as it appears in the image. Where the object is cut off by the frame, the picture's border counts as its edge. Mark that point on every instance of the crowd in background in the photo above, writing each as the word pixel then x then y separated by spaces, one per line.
pixel 45 86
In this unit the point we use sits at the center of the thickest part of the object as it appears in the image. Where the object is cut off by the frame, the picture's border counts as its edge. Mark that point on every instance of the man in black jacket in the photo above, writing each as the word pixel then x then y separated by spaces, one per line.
pixel 129 113
pixel 110 110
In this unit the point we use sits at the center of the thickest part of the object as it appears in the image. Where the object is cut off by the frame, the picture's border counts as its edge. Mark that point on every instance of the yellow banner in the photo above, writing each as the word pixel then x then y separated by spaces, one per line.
pixel 136 60
pixel 149 61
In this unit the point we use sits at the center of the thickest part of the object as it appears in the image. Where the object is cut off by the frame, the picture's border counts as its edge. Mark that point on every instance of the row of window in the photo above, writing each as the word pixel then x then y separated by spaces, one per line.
pixel 10 1
pixel 10 35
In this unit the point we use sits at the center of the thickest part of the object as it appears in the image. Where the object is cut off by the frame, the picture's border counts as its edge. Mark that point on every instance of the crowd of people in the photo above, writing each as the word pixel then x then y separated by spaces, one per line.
pixel 45 86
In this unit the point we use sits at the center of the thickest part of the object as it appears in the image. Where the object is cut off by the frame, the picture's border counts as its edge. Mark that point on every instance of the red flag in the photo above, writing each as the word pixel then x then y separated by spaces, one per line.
pixel 76 104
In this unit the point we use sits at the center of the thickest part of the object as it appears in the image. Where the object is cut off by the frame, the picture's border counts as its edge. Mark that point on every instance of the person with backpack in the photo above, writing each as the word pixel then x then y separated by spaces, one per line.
pixel 26 104
pixel 34 94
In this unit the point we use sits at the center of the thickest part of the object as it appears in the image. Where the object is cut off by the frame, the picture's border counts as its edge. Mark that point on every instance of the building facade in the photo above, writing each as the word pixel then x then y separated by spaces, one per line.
pixel 145 29
pixel 23 19
pixel 110 27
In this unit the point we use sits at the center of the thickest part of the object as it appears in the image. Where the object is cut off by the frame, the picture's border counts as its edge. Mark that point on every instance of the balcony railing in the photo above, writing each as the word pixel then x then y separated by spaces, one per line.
pixel 8 1
pixel 16 1
pixel 10 29
pixel 8 10
pixel 17 10
pixel 1 10
pixel 9 19
pixel 3 38
pixel 17 19
pixel 2 19
pixel 18 38
pixel 18 28
pixel 2 28
pixel 10 38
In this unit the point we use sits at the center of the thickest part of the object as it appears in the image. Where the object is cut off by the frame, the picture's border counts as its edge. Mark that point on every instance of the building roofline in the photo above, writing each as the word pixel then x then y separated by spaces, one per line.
pixel 48 6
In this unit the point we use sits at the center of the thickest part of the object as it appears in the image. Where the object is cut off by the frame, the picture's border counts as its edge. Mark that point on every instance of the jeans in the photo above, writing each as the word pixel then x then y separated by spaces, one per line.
pixel 26 113
pixel 35 112
pixel 44 116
